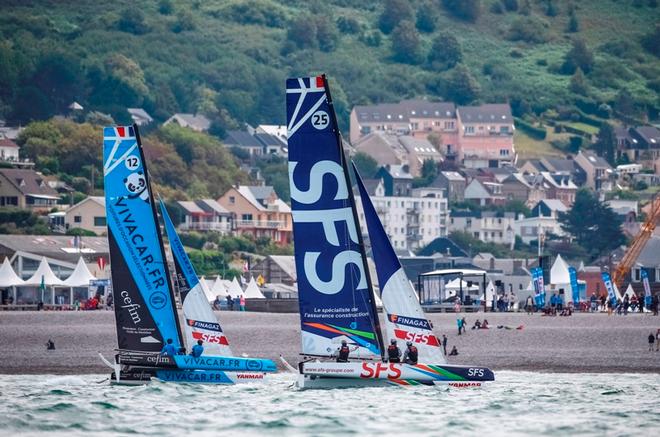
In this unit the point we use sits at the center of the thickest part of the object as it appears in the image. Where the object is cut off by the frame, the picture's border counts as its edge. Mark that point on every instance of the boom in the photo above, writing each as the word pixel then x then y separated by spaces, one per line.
pixel 638 243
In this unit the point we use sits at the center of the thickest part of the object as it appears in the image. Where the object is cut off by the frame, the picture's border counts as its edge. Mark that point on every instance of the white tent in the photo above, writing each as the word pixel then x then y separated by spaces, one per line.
pixel 44 271
pixel 235 289
pixel 559 272
pixel 629 292
pixel 252 291
pixel 617 293
pixel 8 277
pixel 80 276
pixel 219 289
pixel 457 284
pixel 490 293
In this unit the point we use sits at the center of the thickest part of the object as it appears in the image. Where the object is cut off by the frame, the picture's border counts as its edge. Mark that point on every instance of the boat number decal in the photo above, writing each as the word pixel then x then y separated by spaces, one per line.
pixel 320 120
pixel 132 162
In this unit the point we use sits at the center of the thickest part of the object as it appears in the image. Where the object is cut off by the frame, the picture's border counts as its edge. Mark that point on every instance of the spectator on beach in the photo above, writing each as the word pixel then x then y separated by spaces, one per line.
pixel 512 301
pixel 640 303
pixel 553 303
pixel 619 306
pixel 529 305
pixel 484 325
pixel 464 325
pixel 651 341
pixel 655 303
pixel 230 303
pixel 610 307
pixel 50 345
pixel 459 323
pixel 217 303
pixel 109 300
pixel 633 303
pixel 603 302
pixel 477 324
pixel 594 302
pixel 168 349
pixel 657 340
pixel 626 305
pixel 560 302
pixel 453 352
pixel 198 349
pixel 241 301
pixel 444 344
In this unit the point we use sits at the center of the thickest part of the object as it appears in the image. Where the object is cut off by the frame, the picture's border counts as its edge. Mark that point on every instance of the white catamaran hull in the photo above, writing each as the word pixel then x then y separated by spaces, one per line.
pixel 376 374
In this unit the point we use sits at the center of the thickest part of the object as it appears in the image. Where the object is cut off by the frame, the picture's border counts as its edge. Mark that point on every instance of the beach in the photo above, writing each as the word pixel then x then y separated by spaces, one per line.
pixel 579 343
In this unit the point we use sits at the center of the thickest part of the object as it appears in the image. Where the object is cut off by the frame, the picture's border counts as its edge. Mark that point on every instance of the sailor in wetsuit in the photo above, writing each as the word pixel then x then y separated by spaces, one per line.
pixel 393 352
pixel 198 349
pixel 168 349
pixel 411 354
pixel 343 351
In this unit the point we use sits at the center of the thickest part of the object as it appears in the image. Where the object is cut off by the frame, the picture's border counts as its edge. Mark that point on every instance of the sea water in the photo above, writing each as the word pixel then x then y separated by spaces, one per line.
pixel 518 403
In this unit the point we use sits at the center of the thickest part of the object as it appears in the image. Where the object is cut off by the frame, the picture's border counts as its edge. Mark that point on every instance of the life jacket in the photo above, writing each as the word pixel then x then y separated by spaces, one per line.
pixel 412 353
pixel 393 352
pixel 343 353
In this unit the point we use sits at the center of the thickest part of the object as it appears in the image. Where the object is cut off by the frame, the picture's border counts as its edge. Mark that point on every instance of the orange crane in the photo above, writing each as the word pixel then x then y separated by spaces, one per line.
pixel 638 242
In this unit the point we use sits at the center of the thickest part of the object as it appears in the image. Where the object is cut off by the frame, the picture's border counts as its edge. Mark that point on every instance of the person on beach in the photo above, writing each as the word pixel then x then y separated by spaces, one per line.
pixel 198 349
pixel 463 325
pixel 477 325
pixel 230 303
pixel 50 344
pixel 640 303
pixel 529 305
pixel 411 355
pixel 484 325
pixel 651 341
pixel 459 323
pixel 626 305
pixel 444 344
pixel 217 303
pixel 393 352
pixel 168 349
pixel 241 302
pixel 657 340
pixel 344 351
pixel 610 307
pixel 594 302
pixel 453 352
pixel 603 301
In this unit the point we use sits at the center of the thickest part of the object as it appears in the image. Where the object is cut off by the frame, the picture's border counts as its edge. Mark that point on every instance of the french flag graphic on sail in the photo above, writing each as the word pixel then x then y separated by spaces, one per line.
pixel 406 320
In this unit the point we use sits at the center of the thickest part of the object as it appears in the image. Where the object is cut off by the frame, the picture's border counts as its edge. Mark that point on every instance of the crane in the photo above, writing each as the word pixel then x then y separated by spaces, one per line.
pixel 638 242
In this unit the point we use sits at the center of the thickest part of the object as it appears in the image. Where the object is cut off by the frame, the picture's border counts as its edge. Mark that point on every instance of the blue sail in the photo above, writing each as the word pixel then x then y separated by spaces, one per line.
pixel 333 288
pixel 143 296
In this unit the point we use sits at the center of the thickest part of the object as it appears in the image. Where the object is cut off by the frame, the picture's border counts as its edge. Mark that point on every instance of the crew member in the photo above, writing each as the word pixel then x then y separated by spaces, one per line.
pixel 393 352
pixel 168 349
pixel 343 351
pixel 198 349
pixel 411 354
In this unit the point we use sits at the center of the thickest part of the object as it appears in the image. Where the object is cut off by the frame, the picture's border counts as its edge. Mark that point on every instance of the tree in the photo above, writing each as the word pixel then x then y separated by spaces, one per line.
pixel 395 11
pixel 550 8
pixel 573 23
pixel 605 146
pixel 406 44
pixel 428 174
pixel 579 56
pixel 131 20
pixel 445 52
pixel 624 103
pixel 578 83
pixel 366 165
pixel 525 8
pixel 165 7
pixel 427 18
pixel 184 22
pixel 651 41
pixel 592 224
pixel 461 86
pixel 510 5
pixel 468 10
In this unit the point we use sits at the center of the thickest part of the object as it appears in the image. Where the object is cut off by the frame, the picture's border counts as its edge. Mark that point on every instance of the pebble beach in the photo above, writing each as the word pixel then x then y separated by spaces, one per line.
pixel 580 343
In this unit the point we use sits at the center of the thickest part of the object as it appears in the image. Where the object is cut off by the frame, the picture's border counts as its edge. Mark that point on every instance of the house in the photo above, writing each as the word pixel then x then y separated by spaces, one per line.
pixel 26 189
pixel 8 150
pixel 516 187
pixel 555 186
pixel 205 215
pixel 88 214
pixel 276 130
pixel 139 116
pixel 600 175
pixel 196 122
pixel 487 226
pixel 245 141
pixel 486 135
pixel 272 145
pixel 258 211
pixel 484 193
pixel 544 219
pixel 640 144
pixel 389 149
pixel 412 221
pixel 419 150
pixel 648 260
pixel 453 183
pixel 396 179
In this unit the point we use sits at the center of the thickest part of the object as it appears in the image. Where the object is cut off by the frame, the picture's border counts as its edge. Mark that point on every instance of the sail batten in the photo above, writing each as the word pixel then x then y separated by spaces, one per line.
pixel 334 290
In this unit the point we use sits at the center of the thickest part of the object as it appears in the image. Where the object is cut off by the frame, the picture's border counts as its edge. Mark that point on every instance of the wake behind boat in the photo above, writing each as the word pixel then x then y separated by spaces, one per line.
pixel 145 310
pixel 336 296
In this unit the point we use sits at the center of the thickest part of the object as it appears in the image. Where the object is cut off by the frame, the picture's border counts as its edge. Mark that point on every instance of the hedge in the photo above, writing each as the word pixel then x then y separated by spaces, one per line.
pixel 538 133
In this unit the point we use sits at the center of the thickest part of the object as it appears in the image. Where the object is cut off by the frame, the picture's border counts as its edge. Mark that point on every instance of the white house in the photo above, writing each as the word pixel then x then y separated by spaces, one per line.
pixel 545 215
pixel 487 226
pixel 8 150
pixel 196 122
pixel 88 214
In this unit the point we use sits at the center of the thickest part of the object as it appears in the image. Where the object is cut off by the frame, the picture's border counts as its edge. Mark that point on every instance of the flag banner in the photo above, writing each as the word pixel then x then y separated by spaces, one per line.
pixel 609 287
pixel 648 299
pixel 574 285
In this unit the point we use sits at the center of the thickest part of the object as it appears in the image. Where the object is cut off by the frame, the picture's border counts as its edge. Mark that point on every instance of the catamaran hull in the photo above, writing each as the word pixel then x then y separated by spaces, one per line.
pixel 375 374
pixel 142 376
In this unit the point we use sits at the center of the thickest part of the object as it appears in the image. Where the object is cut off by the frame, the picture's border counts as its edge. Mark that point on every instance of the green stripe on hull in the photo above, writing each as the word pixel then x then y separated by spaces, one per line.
pixel 447 374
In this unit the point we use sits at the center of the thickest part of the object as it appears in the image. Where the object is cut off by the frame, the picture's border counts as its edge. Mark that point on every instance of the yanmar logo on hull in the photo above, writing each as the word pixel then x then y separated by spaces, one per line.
pixel 409 321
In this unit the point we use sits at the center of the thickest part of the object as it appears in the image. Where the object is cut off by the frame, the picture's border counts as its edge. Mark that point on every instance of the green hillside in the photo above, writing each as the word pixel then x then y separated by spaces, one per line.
pixel 229 59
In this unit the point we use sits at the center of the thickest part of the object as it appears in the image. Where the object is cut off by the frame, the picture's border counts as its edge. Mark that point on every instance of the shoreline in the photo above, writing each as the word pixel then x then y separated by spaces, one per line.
pixel 582 343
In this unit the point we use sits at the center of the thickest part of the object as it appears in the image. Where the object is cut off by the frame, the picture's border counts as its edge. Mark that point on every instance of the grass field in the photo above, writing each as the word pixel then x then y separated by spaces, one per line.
pixel 528 147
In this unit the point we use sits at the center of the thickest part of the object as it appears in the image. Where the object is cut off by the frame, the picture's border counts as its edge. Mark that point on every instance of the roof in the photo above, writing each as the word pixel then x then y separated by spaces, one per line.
pixel 464 272
pixel 553 205
pixel 202 206
pixel 7 143
pixel 404 110
pixel 397 171
pixel 197 121
pixel 44 274
pixel 492 112
pixel 80 276
pixel 287 263
pixel 139 113
pixel 370 185
pixel 453 176
pixel 443 246
pixel 595 160
pixel 96 199
pixel 257 195
pixel 650 256
pixel 419 146
pixel 269 140
pixel 8 277
pixel 242 139
pixel 60 247
pixel 559 272
pixel 650 134
pixel 29 182
pixel 559 165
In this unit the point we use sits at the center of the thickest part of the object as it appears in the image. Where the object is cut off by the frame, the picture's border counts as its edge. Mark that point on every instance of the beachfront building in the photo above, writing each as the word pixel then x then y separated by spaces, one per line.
pixel 410 221
pixel 600 175
pixel 544 220
pixel 487 226
pixel 205 215
pixel 486 135
pixel 27 189
pixel 88 214
pixel 258 211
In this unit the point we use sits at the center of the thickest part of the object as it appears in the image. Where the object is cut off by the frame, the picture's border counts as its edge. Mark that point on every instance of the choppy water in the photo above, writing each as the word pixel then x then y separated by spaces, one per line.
pixel 519 403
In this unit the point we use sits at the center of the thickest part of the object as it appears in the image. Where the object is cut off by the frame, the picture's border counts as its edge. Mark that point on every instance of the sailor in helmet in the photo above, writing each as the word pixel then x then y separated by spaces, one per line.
pixel 393 352
pixel 411 354
pixel 343 351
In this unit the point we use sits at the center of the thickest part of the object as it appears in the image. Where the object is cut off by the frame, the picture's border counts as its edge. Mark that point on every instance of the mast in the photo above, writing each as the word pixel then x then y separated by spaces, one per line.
pixel 351 198
pixel 152 202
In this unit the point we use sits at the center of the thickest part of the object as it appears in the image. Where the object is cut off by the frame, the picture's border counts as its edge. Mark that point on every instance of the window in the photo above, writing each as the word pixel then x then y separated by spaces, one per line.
pixel 99 221
pixel 504 129
pixel 469 129
pixel 476 235
pixel 9 201
pixel 246 217
pixel 232 200
pixel 504 152
pixel 77 219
